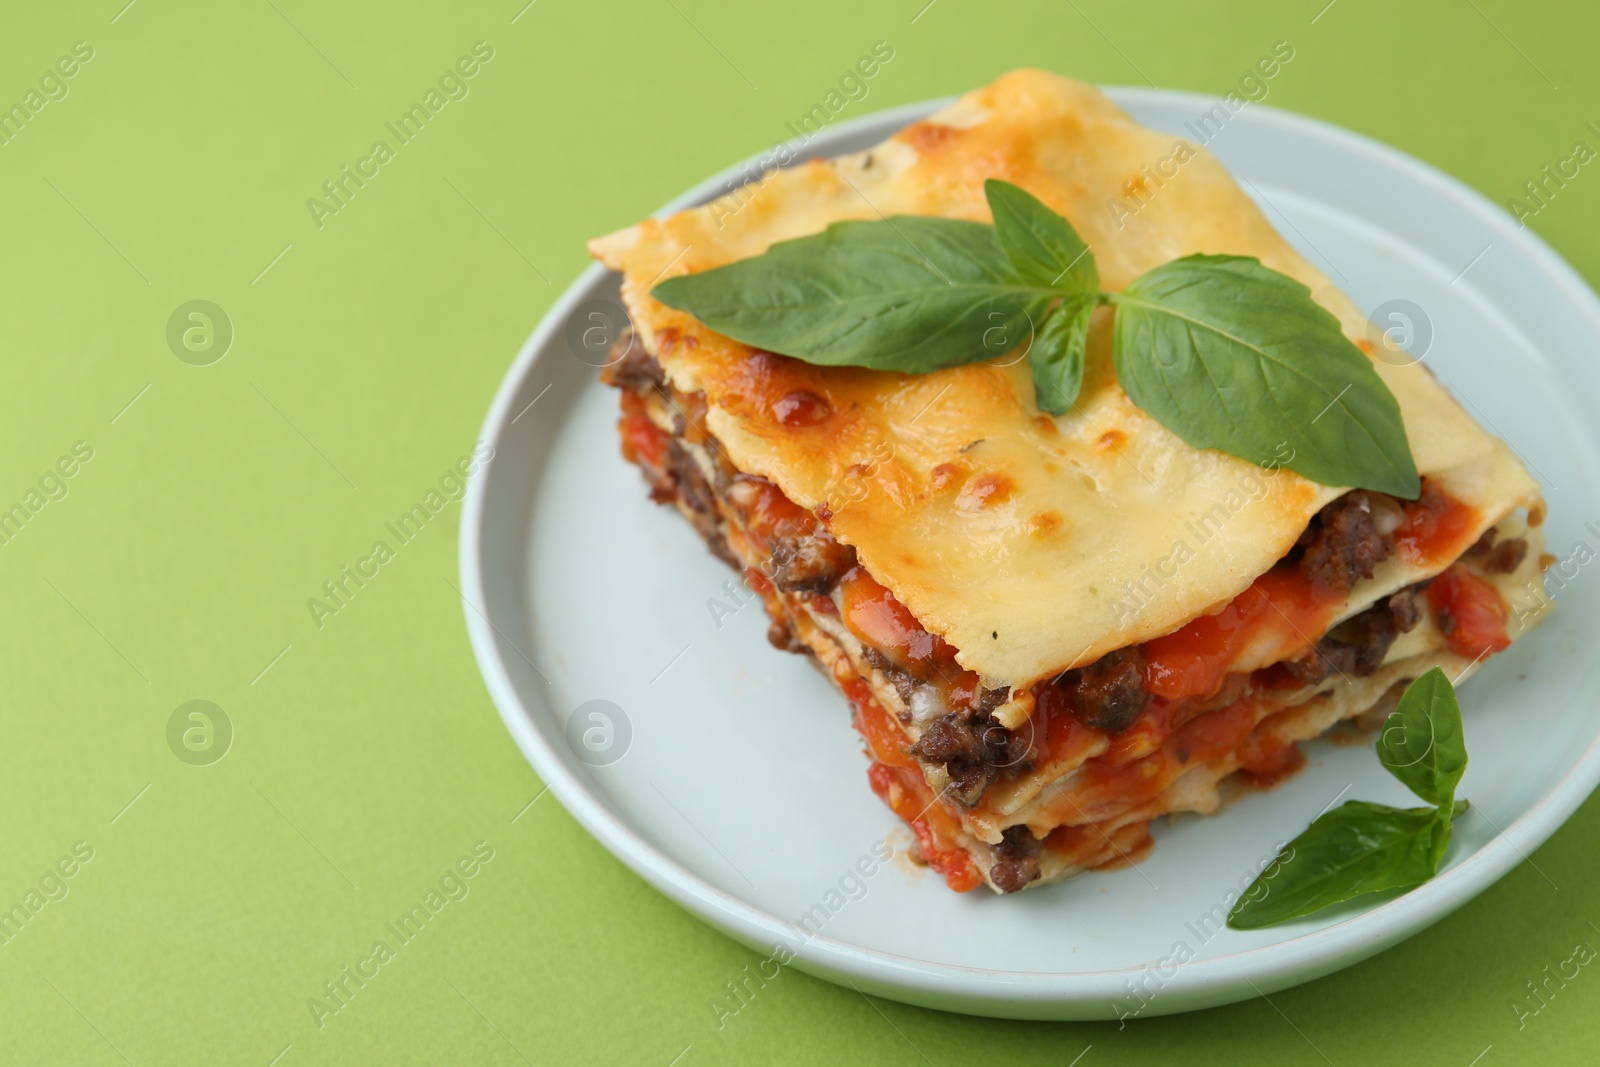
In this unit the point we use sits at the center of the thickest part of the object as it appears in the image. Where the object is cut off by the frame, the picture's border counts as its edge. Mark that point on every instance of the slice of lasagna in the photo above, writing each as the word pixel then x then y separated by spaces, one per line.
pixel 1055 630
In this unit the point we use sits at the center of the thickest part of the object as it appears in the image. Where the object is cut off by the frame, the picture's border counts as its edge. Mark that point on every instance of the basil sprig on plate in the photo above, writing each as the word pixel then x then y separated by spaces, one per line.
pixel 1224 352
pixel 1361 847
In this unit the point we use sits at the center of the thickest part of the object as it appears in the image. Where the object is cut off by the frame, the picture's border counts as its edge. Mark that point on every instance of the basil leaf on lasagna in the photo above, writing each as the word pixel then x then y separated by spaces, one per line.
pixel 1231 355
pixel 910 294
pixel 1041 245
pixel 1056 357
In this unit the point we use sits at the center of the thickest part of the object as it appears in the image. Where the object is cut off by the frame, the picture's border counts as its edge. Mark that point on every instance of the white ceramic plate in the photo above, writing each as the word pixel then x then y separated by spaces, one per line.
pixel 730 777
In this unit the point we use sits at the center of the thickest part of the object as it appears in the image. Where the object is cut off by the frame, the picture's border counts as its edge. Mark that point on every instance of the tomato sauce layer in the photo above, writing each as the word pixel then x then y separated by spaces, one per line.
pixel 1470 613
pixel 879 621
pixel 1270 621
pixel 643 442
pixel 909 797
pixel 898 781
pixel 766 512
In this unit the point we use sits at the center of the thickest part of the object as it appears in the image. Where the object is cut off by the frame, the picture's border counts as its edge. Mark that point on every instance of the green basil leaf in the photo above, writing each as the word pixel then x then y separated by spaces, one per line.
pixel 1355 849
pixel 1042 245
pixel 909 294
pixel 1443 827
pixel 1233 356
pixel 1421 742
pixel 1056 357
pixel 1366 848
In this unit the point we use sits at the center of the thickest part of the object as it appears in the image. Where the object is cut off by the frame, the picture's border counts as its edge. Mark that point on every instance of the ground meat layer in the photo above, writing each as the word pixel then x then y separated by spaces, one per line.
pixel 1357 646
pixel 973 749
pixel 1347 539
pixel 1015 860
pixel 1494 556
pixel 809 560
pixel 1109 694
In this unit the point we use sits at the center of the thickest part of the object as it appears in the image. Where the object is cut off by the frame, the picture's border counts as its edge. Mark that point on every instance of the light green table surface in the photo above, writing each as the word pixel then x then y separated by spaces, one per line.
pixel 366 757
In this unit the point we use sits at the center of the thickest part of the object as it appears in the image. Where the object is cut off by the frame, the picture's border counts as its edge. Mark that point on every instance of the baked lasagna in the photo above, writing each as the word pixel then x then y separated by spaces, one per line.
pixel 1054 630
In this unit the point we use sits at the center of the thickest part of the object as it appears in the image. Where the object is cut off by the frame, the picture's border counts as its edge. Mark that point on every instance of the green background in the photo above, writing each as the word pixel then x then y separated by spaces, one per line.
pixel 367 757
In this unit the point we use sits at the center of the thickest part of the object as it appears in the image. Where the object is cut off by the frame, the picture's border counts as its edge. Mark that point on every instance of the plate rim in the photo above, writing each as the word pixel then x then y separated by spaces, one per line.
pixel 995 992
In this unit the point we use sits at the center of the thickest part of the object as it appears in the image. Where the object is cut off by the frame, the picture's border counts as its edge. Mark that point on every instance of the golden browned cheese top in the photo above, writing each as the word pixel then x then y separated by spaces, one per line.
pixel 1030 543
